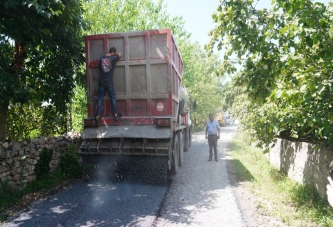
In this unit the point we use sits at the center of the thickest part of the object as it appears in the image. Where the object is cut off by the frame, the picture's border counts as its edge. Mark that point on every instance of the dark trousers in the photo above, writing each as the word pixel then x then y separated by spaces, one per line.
pixel 212 142
pixel 102 88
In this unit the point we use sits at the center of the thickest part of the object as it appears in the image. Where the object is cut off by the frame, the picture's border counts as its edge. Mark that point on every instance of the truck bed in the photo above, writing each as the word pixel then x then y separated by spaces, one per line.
pixel 147 78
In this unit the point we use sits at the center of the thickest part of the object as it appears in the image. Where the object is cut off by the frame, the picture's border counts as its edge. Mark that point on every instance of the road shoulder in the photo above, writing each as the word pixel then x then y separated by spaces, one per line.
pixel 248 202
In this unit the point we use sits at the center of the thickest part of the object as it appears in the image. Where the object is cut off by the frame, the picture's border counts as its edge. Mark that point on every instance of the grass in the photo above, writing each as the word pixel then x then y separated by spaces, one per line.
pixel 197 128
pixel 294 204
pixel 65 172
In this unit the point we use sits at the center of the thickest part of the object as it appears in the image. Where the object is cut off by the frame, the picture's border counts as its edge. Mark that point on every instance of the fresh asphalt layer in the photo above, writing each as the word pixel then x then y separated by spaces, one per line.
pixel 199 195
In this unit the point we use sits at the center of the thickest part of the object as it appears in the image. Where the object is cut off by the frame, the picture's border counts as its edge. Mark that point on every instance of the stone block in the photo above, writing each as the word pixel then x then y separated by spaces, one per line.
pixel 32 150
pixel 17 177
pixel 54 162
pixel 9 160
pixel 32 161
pixel 42 141
pixel 31 178
pixel 31 172
pixel 10 154
pixel 24 163
pixel 16 147
pixel 3 169
pixel 51 141
pixel 12 184
pixel 5 145
pixel 40 147
pixel 17 164
pixel 35 141
pixel 21 152
pixel 25 173
pixel 18 170
pixel 33 156
pixel 60 138
pixel 5 174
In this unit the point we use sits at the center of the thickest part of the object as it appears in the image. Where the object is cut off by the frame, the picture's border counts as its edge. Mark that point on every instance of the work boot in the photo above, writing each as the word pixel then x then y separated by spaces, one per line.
pixel 117 116
pixel 98 120
pixel 210 159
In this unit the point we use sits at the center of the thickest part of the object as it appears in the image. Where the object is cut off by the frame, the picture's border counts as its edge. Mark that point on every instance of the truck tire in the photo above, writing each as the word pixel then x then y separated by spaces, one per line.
pixel 186 139
pixel 175 155
pixel 181 147
pixel 189 137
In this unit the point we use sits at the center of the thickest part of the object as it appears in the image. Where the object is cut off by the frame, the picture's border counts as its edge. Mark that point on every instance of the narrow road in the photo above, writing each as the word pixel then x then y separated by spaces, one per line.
pixel 199 195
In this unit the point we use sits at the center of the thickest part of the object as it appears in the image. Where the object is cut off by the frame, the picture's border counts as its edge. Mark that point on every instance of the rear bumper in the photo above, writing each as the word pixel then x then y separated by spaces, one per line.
pixel 146 132
pixel 126 140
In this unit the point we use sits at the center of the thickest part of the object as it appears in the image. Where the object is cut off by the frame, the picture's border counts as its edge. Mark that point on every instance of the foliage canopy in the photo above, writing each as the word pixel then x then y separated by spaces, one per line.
pixel 286 66
pixel 41 51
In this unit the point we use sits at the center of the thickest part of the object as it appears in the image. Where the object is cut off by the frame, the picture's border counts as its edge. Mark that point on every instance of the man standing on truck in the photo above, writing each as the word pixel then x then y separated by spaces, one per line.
pixel 212 134
pixel 106 65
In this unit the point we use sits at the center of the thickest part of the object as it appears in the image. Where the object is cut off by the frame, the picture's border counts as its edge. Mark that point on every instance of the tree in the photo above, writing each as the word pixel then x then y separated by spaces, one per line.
pixel 41 49
pixel 286 60
pixel 201 80
pixel 105 16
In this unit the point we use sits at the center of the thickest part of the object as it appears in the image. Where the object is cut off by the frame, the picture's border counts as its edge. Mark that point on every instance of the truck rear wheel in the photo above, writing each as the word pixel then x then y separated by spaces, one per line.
pixel 181 147
pixel 175 155
pixel 189 136
pixel 186 139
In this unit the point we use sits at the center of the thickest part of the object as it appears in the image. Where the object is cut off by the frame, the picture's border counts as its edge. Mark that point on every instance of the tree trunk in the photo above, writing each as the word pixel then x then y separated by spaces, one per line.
pixel 3 118
pixel 19 56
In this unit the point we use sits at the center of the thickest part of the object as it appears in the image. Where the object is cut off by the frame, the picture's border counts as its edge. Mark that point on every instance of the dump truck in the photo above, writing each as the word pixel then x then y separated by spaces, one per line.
pixel 220 118
pixel 224 118
pixel 148 142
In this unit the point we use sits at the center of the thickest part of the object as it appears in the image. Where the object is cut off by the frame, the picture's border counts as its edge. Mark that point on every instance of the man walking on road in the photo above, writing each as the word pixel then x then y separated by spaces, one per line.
pixel 212 134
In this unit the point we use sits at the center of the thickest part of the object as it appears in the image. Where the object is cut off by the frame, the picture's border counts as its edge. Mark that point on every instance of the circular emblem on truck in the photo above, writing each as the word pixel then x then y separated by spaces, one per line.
pixel 160 106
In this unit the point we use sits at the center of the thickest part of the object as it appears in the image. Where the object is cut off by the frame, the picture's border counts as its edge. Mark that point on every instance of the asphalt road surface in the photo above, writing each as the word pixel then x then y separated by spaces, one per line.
pixel 199 195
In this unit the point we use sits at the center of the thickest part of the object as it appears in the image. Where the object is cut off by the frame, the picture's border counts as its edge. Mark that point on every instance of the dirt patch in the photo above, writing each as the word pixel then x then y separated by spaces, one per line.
pixel 254 214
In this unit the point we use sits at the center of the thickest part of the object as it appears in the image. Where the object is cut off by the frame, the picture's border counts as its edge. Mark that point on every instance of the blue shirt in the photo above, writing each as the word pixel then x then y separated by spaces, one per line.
pixel 212 127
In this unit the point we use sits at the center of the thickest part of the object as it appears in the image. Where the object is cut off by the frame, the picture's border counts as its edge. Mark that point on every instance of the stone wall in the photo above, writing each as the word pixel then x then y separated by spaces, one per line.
pixel 303 163
pixel 18 159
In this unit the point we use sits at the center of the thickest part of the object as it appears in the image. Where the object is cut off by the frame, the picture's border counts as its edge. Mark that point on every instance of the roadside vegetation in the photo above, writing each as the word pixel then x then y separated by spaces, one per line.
pixel 46 183
pixel 294 204
pixel 280 59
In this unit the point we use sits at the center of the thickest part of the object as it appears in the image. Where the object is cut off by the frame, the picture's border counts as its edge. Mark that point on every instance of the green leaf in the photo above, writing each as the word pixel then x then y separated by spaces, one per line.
pixel 278 93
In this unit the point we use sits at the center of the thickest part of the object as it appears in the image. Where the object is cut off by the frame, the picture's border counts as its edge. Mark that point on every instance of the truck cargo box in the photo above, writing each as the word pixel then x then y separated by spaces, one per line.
pixel 147 78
